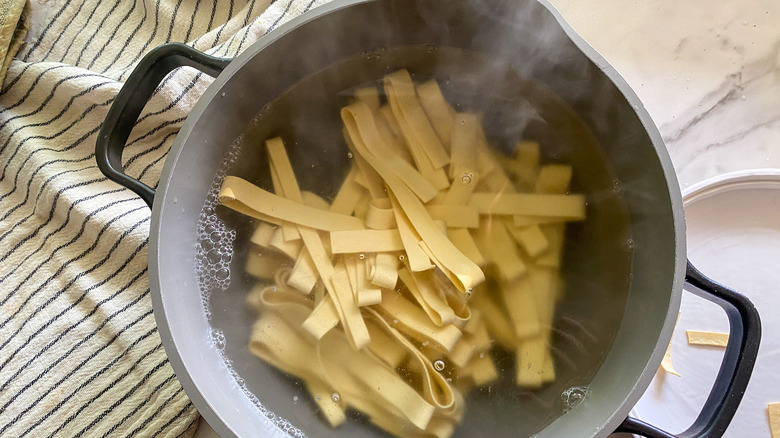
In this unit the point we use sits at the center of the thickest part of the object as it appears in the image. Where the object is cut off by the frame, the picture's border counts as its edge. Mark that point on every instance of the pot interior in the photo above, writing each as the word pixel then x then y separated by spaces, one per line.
pixel 538 87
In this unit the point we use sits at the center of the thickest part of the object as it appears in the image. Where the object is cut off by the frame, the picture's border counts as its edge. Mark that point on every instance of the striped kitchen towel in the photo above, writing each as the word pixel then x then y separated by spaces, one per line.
pixel 79 350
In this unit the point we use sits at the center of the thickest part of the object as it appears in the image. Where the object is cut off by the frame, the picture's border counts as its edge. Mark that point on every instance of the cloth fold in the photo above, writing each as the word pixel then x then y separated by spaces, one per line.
pixel 14 15
pixel 79 350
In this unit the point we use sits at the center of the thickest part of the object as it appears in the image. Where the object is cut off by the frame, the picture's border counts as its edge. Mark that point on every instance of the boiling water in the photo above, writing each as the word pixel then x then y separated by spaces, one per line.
pixel 597 258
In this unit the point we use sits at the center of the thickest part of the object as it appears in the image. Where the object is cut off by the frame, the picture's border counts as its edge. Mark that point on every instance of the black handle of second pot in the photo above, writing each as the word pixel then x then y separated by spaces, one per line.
pixel 132 98
pixel 735 369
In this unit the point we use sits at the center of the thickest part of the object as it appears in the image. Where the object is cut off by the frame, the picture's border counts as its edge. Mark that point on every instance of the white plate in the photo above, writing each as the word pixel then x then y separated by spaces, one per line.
pixel 734 238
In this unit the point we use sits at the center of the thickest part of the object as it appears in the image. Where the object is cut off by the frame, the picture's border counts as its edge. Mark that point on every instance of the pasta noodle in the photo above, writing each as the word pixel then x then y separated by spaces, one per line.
pixel 390 275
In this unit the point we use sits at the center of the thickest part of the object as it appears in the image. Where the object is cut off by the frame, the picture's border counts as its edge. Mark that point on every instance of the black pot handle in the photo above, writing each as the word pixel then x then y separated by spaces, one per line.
pixel 735 369
pixel 132 98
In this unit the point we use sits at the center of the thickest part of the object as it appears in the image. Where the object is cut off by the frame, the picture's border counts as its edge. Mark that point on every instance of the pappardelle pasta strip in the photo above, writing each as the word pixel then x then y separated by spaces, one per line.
pixel 336 282
pixel 348 195
pixel 435 175
pixel 500 250
pixel 518 297
pixel 369 95
pixel 436 389
pixel 411 117
pixel 455 216
pixel 524 166
pixel 418 260
pixel 262 234
pixel 290 247
pixel 366 174
pixel 439 112
pixel 253 201
pixel 414 322
pixel 466 273
pixel 304 274
pixel 380 214
pixel 530 238
pixel 322 319
pixel 289 230
pixel 366 295
pixel 462 187
pixel 464 139
pixel 571 207
pixel 357 241
pixel 464 241
pixel 386 271
pixel 379 146
pixel 435 306
pixel 390 388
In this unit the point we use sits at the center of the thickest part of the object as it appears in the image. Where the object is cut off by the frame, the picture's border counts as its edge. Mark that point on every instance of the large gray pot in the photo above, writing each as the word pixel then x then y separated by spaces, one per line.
pixel 622 166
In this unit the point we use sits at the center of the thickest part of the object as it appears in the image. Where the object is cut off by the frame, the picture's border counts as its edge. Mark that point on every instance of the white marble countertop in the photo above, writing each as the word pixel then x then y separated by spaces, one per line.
pixel 708 72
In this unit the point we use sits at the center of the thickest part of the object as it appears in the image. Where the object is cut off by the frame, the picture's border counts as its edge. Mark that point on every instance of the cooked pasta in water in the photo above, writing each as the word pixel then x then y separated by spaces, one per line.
pixel 392 298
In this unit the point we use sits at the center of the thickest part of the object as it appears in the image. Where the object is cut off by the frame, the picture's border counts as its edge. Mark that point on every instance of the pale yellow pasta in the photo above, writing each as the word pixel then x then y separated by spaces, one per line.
pixel 479 371
pixel 379 280
pixel 361 209
pixel 333 411
pixel 500 250
pixel 435 387
pixel 367 176
pixel 262 234
pixel 486 164
pixel 414 322
pixel 358 120
pixel 380 214
pixel 518 296
pixel 531 238
pixel 418 260
pixel 524 166
pixel 322 319
pixel 357 241
pixel 304 274
pixel 414 124
pixel 393 139
pixel 417 136
pixel 667 364
pixel 429 299
pixel 530 359
pixel 773 410
pixel 348 195
pixel 464 241
pixel 439 112
pixel 385 272
pixel 571 207
pixel 464 138
pixel 255 202
pixel 369 95
pixel 455 216
pixel 336 282
pixel 496 320
pixel 290 231
pixel 697 337
pixel 384 345
pixel 290 247
pixel 364 292
pixel 380 146
pixel 463 185
pixel 390 121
